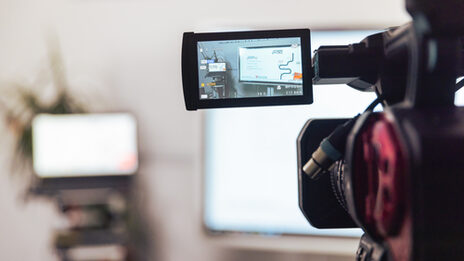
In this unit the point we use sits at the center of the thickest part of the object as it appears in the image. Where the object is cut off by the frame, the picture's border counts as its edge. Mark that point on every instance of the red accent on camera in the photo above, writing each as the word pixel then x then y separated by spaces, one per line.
pixel 380 184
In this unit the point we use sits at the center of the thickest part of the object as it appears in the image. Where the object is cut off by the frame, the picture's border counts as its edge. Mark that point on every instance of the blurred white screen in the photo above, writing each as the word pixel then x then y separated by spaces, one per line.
pixel 251 180
pixel 71 145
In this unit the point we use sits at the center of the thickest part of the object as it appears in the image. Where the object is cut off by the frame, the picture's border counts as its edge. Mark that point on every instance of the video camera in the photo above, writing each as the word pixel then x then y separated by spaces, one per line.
pixel 397 174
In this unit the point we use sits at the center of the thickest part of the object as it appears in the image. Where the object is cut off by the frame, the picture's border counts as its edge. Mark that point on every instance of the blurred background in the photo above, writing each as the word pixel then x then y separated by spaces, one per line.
pixel 123 57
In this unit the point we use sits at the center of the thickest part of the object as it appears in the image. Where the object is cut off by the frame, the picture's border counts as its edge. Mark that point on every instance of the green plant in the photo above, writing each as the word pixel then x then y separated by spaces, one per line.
pixel 22 102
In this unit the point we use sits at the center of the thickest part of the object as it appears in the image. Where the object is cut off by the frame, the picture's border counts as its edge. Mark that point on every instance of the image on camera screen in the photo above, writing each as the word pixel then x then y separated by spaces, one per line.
pixel 250 68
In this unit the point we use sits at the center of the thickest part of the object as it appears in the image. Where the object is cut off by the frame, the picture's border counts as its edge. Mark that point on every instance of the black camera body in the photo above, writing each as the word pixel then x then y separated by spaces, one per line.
pixel 319 199
pixel 400 183
pixel 400 178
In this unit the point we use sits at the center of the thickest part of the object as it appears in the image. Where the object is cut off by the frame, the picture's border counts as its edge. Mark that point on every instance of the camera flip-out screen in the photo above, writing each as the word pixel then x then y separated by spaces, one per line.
pixel 254 68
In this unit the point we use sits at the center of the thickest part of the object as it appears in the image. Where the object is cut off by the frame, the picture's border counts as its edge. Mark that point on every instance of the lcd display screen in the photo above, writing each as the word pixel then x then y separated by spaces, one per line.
pixel 250 68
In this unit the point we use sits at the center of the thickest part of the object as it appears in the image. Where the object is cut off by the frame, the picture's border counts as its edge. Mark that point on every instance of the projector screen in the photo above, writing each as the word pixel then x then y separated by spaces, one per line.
pixel 250 157
pixel 76 145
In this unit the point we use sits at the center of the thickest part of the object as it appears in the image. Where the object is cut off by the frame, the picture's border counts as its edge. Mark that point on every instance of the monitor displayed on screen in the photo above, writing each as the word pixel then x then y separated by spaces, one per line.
pixel 250 158
pixel 83 145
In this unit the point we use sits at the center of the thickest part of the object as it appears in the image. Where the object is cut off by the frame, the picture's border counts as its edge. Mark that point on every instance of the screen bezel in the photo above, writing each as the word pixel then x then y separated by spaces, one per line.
pixel 190 77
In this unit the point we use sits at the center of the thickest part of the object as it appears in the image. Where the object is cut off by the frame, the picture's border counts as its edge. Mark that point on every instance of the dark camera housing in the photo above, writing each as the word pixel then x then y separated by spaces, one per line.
pixel 317 198
pixel 191 70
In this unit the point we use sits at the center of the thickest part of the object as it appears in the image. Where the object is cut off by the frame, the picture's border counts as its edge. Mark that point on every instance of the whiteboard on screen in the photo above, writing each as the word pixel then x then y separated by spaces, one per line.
pixel 273 64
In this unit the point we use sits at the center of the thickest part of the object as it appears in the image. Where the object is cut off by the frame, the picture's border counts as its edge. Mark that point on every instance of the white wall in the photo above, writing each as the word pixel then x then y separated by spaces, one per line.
pixel 127 53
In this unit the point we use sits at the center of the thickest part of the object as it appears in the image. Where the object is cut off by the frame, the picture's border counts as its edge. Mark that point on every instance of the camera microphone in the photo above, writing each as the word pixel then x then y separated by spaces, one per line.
pixel 329 151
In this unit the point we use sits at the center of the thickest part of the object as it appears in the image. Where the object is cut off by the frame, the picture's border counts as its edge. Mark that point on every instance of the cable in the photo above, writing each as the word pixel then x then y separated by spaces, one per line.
pixel 374 103
pixel 329 151
pixel 459 85
pixel 332 148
